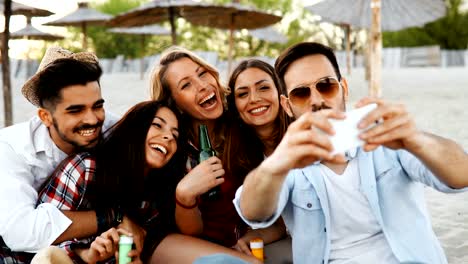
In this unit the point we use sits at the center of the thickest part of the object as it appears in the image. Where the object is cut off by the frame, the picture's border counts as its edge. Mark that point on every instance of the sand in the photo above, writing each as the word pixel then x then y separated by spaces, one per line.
pixel 436 97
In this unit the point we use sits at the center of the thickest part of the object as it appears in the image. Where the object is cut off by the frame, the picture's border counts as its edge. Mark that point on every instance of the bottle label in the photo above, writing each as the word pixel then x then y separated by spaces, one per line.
pixel 125 246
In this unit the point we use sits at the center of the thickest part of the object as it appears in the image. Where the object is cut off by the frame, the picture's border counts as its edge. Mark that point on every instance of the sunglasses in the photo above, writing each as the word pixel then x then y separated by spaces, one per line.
pixel 328 87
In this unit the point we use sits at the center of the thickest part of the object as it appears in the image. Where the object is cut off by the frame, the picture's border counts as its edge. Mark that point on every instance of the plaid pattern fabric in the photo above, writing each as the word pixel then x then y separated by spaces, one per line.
pixel 67 187
pixel 10 257
pixel 67 190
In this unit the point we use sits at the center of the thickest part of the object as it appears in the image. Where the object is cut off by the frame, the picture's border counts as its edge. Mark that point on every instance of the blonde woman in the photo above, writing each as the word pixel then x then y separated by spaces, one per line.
pixel 195 88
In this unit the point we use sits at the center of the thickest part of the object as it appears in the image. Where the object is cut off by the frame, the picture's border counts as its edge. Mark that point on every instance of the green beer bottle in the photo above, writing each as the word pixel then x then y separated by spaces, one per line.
pixel 206 151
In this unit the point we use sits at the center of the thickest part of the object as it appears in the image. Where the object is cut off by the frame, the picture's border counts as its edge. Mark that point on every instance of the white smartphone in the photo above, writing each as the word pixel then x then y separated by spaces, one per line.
pixel 347 131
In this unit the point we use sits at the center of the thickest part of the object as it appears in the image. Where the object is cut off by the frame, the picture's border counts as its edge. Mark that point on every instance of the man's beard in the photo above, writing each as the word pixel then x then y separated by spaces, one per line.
pixel 77 146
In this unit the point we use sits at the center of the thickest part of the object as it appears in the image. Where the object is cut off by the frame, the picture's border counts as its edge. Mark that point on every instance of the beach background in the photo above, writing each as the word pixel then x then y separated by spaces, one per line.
pixel 436 97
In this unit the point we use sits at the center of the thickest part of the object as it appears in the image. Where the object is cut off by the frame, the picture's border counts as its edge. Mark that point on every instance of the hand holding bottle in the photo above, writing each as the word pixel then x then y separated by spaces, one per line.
pixel 199 180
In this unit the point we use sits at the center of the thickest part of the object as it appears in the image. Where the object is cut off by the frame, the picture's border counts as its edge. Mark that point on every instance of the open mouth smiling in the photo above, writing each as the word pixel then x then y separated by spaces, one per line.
pixel 159 148
pixel 87 132
pixel 208 100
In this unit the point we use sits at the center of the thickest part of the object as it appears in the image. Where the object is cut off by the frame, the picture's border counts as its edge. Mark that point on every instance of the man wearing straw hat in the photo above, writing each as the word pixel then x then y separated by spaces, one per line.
pixel 368 207
pixel 70 118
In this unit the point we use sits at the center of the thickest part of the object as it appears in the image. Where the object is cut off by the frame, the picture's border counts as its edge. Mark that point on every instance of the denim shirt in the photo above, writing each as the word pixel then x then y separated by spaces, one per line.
pixel 393 183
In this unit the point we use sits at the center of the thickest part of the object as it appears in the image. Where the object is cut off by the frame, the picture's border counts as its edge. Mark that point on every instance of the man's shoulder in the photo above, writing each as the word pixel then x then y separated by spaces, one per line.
pixel 20 136
pixel 16 132
pixel 14 129
pixel 110 120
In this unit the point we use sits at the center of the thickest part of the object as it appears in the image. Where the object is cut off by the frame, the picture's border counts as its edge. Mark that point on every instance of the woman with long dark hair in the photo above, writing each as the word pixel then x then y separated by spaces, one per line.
pixel 254 106
pixel 131 174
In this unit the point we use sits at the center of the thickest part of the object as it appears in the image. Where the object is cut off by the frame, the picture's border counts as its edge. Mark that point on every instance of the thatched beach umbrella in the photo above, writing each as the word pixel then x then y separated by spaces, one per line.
pixel 158 11
pixel 20 9
pixel 388 15
pixel 229 16
pixel 82 17
pixel 142 32
pixel 396 14
pixel 9 8
pixel 30 32
pixel 234 16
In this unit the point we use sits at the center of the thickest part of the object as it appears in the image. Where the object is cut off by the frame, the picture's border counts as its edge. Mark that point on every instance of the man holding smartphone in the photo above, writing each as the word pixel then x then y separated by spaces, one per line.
pixel 367 207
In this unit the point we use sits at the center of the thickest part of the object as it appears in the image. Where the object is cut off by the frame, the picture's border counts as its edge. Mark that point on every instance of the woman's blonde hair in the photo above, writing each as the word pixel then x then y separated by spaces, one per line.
pixel 159 88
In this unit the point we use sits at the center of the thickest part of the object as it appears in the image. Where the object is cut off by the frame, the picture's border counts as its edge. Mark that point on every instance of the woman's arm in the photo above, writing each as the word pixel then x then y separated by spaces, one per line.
pixel 198 181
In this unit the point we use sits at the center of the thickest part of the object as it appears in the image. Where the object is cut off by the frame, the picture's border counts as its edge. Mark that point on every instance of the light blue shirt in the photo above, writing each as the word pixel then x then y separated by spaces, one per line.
pixel 393 183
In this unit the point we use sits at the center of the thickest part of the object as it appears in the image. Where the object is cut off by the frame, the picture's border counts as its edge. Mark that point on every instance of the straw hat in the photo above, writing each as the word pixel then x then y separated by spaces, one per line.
pixel 52 54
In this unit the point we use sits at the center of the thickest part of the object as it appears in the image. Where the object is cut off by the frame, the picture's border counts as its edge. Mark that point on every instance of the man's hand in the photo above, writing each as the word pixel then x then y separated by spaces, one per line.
pixel 397 131
pixel 137 232
pixel 306 141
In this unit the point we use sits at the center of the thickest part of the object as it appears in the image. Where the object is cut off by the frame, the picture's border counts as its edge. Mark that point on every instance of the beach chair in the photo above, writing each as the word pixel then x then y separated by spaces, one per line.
pixel 119 64
pixel 106 65
pixel 421 56
pixel 150 63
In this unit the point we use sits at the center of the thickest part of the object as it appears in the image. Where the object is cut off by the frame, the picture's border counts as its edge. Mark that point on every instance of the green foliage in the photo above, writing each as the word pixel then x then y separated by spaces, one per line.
pixel 109 45
pixel 449 32
pixel 298 26
pixel 114 7
pixel 204 38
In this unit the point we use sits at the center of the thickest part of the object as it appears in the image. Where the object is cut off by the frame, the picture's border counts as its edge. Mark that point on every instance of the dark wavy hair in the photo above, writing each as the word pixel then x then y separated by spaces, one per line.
pixel 248 159
pixel 62 73
pixel 120 161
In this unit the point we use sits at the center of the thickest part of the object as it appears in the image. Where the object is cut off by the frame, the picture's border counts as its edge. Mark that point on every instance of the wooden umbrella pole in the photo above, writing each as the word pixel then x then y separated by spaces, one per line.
pixel 28 61
pixel 173 26
pixel 142 59
pixel 348 48
pixel 231 45
pixel 85 42
pixel 376 50
pixel 6 79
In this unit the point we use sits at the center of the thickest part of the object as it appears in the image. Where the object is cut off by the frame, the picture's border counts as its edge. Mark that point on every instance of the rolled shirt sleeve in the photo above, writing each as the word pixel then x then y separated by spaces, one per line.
pixel 419 172
pixel 281 204
pixel 24 227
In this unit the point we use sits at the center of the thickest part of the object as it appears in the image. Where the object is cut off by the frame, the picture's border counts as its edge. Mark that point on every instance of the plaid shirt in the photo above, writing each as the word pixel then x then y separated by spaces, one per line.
pixel 10 257
pixel 67 190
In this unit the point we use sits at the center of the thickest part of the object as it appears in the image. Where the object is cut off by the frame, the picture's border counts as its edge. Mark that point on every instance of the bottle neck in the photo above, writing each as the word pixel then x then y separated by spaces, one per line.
pixel 195 137
pixel 204 139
